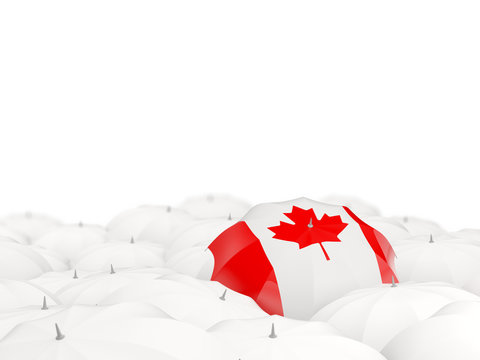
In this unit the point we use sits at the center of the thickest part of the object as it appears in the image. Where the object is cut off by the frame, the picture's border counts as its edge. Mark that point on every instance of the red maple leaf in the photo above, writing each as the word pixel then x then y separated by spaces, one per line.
pixel 307 229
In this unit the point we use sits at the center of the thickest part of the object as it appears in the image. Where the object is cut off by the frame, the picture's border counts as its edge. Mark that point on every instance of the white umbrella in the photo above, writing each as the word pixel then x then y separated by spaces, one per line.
pixel 467 234
pixel 426 258
pixel 12 317
pixel 280 338
pixel 417 226
pixel 120 255
pixel 31 225
pixel 70 240
pixel 56 261
pixel 124 331
pixel 94 288
pixel 158 224
pixel 202 306
pixel 452 333
pixel 8 239
pixel 358 206
pixel 215 205
pixel 196 261
pixel 6 232
pixel 16 294
pixel 55 280
pixel 375 315
pixel 20 262
pixel 200 233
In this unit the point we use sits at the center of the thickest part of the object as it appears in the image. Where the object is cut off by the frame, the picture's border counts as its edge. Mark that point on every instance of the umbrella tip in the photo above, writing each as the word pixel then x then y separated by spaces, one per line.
pixel 230 216
pixel 431 239
pixel 310 224
pixel 75 274
pixel 210 198
pixel 169 208
pixel 223 295
pixel 60 336
pixel 44 306
pixel 272 335
pixel 112 271
pixel 80 224
pixel 405 219
pixel 132 240
pixel 28 214
pixel 393 281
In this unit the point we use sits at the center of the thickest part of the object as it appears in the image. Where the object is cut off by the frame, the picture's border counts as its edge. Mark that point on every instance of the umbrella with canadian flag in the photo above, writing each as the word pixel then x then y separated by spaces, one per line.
pixel 294 257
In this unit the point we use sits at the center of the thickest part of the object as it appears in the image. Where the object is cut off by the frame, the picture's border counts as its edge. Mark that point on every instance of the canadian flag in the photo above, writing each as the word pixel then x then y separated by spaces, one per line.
pixel 296 256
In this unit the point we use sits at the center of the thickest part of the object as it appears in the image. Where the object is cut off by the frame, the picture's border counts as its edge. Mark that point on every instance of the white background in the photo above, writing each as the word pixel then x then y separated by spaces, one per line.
pixel 105 105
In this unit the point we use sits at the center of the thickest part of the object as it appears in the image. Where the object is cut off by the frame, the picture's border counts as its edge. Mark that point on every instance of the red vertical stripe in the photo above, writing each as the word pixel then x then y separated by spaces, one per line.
pixel 242 265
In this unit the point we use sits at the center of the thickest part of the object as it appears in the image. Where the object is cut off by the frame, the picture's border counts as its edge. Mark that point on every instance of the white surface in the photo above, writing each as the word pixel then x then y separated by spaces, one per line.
pixel 374 316
pixel 110 104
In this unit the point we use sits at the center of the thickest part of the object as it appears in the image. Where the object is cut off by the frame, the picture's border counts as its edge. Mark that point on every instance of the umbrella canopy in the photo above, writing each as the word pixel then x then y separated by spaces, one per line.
pixel 375 315
pixel 215 206
pixel 6 232
pixel 426 258
pixel 55 280
pixel 196 261
pixel 358 206
pixel 296 256
pixel 280 338
pixel 467 234
pixel 200 233
pixel 392 229
pixel 120 255
pixel 201 305
pixel 15 294
pixel 452 333
pixel 12 317
pixel 70 240
pixel 56 261
pixel 20 262
pixel 31 225
pixel 417 226
pixel 94 288
pixel 124 331
pixel 158 224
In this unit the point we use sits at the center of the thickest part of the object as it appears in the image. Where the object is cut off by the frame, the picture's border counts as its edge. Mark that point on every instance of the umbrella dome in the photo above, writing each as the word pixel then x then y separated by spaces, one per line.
pixel 196 261
pixel 16 294
pixel 200 233
pixel 8 239
pixel 417 226
pixel 215 206
pixel 430 258
pixel 94 288
pixel 12 317
pixel 200 305
pixel 451 333
pixel 158 224
pixel 280 338
pixel 375 315
pixel 467 234
pixel 6 232
pixel 358 206
pixel 55 280
pixel 120 255
pixel 294 257
pixel 20 262
pixel 56 261
pixel 31 225
pixel 70 240
pixel 124 331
